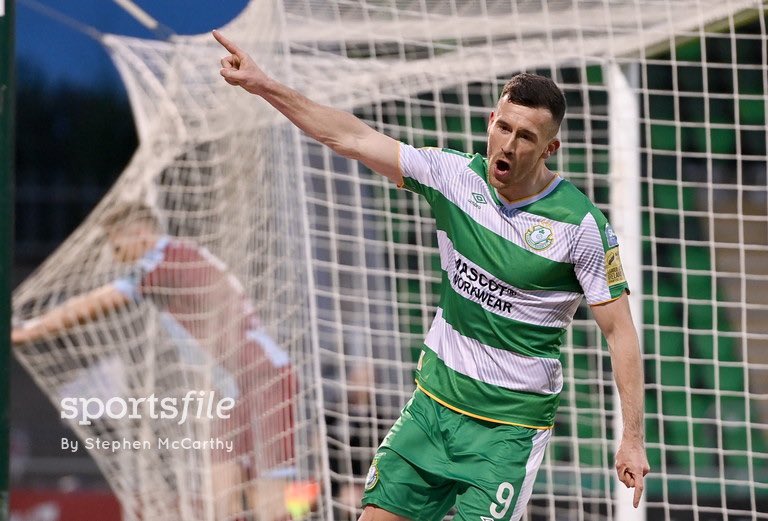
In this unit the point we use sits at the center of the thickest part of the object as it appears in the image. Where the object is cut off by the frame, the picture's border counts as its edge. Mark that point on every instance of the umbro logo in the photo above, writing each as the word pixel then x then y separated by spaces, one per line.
pixel 486 518
pixel 477 200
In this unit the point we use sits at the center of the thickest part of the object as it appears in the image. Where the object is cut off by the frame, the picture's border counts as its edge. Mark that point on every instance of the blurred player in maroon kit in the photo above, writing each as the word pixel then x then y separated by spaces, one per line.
pixel 211 320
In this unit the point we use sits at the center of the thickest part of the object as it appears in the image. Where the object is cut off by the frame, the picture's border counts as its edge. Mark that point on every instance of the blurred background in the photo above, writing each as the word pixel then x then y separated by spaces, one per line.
pixel 75 134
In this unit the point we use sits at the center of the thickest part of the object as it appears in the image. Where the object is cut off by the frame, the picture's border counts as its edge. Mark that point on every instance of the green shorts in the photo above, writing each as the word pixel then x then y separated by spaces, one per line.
pixel 434 458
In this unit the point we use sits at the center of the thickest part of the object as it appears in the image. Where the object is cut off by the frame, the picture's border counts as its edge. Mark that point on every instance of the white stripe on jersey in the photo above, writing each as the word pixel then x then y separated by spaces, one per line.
pixel 490 365
pixel 539 307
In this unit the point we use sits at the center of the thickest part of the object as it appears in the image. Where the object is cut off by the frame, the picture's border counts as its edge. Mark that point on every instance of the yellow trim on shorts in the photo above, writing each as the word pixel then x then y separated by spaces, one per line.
pixel 456 409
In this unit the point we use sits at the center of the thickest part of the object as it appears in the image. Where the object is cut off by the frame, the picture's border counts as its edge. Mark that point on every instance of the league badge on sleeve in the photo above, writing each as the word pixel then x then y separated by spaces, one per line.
pixel 610 236
pixel 614 273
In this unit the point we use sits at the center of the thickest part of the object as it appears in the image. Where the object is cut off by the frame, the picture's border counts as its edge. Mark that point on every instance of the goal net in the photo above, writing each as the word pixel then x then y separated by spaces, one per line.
pixel 339 271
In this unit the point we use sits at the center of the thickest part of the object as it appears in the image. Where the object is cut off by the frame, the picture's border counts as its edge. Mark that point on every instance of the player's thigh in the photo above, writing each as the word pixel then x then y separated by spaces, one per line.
pixel 398 487
pixel 501 489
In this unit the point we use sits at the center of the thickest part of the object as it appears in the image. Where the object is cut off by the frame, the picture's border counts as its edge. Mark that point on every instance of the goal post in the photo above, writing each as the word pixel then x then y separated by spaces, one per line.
pixel 626 217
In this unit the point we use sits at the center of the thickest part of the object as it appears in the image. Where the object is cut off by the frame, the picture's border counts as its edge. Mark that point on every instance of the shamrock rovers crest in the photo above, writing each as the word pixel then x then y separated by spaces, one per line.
pixel 373 472
pixel 540 236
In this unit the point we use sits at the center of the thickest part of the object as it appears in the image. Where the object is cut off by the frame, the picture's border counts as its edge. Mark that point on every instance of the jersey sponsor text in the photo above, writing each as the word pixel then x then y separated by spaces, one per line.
pixel 481 287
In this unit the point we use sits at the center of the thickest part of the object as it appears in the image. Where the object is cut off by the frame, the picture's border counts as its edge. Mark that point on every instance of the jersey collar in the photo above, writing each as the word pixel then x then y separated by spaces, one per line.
pixel 525 201
pixel 479 165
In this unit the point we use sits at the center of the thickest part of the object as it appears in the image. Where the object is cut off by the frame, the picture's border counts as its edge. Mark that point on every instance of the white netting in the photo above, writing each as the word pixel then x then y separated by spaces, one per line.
pixel 342 268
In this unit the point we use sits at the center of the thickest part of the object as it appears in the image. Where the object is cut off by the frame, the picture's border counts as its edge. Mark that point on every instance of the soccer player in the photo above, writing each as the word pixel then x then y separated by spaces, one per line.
pixel 519 247
pixel 205 311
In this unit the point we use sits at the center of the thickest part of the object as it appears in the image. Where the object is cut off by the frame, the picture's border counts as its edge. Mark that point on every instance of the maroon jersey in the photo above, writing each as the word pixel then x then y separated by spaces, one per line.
pixel 199 298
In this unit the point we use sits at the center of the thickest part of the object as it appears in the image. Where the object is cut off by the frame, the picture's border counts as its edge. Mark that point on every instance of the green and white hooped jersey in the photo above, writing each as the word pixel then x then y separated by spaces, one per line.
pixel 512 278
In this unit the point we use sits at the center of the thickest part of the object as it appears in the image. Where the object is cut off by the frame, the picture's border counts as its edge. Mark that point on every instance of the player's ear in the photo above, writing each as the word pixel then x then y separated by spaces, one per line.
pixel 552 147
pixel 490 120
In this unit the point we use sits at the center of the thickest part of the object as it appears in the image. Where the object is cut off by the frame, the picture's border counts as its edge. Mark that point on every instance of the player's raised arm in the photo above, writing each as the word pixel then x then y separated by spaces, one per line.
pixel 341 131
pixel 72 312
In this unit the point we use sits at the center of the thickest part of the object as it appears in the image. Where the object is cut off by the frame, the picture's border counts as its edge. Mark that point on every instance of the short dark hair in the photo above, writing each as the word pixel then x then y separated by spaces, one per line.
pixel 125 213
pixel 532 90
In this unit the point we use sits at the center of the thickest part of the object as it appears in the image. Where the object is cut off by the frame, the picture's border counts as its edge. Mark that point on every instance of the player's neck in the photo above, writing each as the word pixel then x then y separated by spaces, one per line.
pixel 528 188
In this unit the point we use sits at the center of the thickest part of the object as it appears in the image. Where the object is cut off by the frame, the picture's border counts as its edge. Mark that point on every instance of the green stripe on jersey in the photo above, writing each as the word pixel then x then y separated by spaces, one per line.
pixel 568 204
pixel 565 203
pixel 484 400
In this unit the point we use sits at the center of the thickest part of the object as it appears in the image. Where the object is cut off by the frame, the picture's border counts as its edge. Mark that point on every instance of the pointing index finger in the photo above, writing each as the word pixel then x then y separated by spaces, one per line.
pixel 228 44
pixel 639 485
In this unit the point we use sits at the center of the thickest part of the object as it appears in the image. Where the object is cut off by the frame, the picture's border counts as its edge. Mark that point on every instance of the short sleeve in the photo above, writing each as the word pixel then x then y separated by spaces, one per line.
pixel 421 169
pixel 129 286
pixel 596 260
pixel 143 273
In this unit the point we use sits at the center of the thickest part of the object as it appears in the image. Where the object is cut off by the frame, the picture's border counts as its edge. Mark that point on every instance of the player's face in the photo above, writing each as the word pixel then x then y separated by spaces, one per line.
pixel 130 242
pixel 519 140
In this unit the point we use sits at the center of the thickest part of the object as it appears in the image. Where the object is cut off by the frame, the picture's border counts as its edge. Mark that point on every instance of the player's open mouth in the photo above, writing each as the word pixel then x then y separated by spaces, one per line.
pixel 501 169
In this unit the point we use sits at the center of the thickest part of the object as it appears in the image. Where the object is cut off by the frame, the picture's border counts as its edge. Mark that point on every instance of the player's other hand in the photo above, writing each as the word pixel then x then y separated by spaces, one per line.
pixel 23 333
pixel 632 466
pixel 18 336
pixel 239 69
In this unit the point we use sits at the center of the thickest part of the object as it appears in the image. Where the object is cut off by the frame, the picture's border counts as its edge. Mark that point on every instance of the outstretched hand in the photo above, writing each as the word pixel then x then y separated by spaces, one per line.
pixel 632 466
pixel 21 335
pixel 239 69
